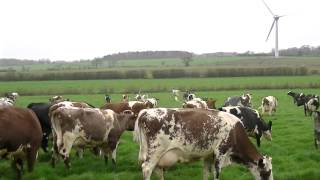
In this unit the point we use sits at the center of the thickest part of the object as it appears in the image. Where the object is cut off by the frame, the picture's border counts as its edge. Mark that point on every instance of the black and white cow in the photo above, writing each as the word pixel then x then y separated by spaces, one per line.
pixel 6 102
pixel 311 106
pixel 296 97
pixel 42 110
pixel 244 100
pixel 252 121
pixel 168 136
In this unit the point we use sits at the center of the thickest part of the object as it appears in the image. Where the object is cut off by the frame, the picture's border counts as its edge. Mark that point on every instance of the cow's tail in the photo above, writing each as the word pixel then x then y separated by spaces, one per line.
pixel 139 136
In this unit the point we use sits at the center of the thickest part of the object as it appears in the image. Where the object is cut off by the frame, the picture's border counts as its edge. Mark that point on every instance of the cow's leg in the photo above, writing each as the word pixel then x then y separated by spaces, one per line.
pixel 31 157
pixel 17 166
pixel 152 159
pixel 206 168
pixel 114 156
pixel 79 152
pixel 159 173
pixel 305 110
pixel 55 154
pixel 221 161
pixel 258 138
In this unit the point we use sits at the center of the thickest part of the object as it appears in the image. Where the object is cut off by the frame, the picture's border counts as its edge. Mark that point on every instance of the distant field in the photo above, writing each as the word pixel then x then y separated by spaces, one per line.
pixel 292 150
pixel 158 85
pixel 199 61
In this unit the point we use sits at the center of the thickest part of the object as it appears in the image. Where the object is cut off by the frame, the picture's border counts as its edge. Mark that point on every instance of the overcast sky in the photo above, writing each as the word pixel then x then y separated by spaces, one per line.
pixel 84 29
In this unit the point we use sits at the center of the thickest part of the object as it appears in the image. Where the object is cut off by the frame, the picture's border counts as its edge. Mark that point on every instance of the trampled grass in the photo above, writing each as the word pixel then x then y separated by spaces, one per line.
pixel 293 153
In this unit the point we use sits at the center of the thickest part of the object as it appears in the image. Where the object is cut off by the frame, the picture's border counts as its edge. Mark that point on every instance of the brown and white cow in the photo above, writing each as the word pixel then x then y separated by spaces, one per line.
pixel 167 136
pixel 134 106
pixel 207 103
pixel 87 127
pixel 269 104
pixel 20 137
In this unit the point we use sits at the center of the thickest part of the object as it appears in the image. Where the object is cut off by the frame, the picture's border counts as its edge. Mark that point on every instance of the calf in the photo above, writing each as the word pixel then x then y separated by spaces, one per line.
pixel 316 128
pixel 87 127
pixel 167 136
pixel 253 123
pixel 244 100
pixel 269 104
pixel 20 137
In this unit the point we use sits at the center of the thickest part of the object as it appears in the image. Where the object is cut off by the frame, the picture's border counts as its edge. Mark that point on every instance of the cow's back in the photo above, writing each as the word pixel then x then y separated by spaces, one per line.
pixel 18 126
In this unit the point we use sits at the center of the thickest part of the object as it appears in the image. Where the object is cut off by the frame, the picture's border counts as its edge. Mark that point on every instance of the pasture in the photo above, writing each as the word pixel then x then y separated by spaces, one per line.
pixel 292 148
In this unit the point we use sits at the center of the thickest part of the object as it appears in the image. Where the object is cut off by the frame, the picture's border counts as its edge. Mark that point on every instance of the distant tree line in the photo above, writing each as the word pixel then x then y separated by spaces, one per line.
pixel 185 56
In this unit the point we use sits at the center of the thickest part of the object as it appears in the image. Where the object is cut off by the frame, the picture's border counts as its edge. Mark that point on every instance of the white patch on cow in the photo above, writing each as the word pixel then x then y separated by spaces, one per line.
pixel 157 113
pixel 153 101
pixel 131 103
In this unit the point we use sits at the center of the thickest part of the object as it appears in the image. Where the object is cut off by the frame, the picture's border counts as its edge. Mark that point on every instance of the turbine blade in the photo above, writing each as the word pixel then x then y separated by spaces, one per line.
pixel 268 7
pixel 270 29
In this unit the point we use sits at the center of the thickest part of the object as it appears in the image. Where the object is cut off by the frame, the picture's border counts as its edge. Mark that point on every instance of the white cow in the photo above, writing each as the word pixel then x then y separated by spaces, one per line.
pixel 269 104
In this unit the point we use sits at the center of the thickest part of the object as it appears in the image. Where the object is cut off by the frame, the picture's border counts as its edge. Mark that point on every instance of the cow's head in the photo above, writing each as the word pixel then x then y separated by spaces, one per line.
pixel 127 119
pixel 246 100
pixel 264 168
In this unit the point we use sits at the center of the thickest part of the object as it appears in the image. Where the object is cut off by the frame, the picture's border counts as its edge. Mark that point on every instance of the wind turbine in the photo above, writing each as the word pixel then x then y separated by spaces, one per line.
pixel 275 21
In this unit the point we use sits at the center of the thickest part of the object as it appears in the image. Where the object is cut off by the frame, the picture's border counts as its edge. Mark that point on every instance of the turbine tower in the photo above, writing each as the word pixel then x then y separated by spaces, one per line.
pixel 275 21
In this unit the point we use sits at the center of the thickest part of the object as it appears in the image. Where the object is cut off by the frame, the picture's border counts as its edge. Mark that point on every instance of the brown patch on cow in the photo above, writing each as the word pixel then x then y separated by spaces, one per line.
pixel 20 128
pixel 117 107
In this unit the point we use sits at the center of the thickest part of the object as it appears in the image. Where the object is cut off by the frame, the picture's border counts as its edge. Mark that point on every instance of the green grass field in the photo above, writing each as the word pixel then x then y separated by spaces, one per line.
pixel 158 85
pixel 292 148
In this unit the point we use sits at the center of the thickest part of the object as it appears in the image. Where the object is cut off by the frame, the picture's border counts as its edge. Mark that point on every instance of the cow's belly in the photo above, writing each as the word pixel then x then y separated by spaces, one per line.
pixel 177 155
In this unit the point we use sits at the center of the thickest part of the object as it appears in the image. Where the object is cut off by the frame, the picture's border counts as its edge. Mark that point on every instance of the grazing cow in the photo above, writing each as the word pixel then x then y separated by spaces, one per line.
pixel 107 98
pixel 87 127
pixel 316 128
pixel 167 136
pixel 252 121
pixel 20 137
pixel 269 104
pixel 244 100
pixel 311 106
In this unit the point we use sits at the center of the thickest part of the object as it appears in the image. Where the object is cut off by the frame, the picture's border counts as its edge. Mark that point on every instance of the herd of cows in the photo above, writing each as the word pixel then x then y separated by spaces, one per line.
pixel 197 131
